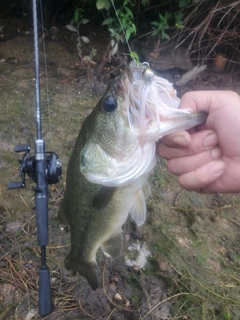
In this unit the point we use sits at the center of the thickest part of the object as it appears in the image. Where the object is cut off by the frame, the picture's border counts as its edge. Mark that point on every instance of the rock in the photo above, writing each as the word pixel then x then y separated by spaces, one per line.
pixel 163 265
pixel 117 297
pixel 230 255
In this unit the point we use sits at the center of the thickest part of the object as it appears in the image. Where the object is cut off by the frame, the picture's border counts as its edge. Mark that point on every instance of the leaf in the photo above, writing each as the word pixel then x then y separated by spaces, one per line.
pixel 167 15
pixel 102 4
pixel 84 21
pixel 161 17
pixel 178 16
pixel 129 12
pixel 135 57
pixel 114 49
pixel 85 39
pixel 155 23
pixel 113 42
pixel 76 15
pixel 134 28
pixel 154 33
pixel 107 21
pixel 71 28
pixel 118 37
pixel 112 32
pixel 128 34
pixel 164 35
pixel 179 25
pixel 183 3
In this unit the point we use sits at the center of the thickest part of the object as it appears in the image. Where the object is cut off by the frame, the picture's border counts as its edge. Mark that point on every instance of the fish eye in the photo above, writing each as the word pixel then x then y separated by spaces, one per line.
pixel 109 104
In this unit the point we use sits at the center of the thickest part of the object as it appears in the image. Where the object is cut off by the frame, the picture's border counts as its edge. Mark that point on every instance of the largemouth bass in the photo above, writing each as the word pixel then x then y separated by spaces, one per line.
pixel 113 156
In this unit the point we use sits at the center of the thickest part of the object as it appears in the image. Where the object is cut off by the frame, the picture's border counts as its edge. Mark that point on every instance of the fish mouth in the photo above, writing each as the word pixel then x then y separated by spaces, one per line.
pixel 149 100
pixel 152 105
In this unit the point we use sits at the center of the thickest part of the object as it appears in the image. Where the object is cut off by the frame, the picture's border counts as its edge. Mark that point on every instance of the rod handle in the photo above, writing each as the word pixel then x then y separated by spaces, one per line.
pixel 45 297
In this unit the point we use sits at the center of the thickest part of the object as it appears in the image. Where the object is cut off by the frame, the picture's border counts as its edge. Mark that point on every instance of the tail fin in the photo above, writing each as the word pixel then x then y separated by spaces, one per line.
pixel 89 270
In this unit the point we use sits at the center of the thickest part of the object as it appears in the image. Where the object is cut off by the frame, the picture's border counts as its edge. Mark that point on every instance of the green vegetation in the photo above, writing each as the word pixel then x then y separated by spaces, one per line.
pixel 200 26
pixel 74 26
pixel 203 290
pixel 122 22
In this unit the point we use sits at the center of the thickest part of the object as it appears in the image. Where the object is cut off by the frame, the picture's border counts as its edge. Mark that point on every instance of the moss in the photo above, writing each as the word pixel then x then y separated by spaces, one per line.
pixel 136 299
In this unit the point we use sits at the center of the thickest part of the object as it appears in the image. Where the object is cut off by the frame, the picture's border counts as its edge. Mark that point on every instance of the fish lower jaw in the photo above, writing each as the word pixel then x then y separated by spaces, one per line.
pixel 124 174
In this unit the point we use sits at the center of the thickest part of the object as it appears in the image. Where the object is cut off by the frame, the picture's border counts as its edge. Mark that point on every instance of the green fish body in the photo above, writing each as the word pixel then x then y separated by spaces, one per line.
pixel 113 157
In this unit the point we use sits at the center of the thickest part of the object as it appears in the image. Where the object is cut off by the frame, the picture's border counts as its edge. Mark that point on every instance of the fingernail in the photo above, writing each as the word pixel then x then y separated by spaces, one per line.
pixel 216 153
pixel 217 167
pixel 211 140
pixel 180 141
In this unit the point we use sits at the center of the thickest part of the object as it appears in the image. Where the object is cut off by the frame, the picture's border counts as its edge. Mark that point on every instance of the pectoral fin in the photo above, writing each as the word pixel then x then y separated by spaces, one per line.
pixel 113 246
pixel 103 197
pixel 139 209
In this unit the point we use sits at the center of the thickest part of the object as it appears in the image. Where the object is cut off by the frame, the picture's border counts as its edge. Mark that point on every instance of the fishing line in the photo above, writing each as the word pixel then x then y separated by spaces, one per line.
pixel 121 26
pixel 46 75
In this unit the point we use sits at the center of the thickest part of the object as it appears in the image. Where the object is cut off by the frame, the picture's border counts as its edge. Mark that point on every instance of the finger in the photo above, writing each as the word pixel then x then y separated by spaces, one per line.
pixel 178 139
pixel 197 180
pixel 207 100
pixel 223 109
pixel 175 146
pixel 183 165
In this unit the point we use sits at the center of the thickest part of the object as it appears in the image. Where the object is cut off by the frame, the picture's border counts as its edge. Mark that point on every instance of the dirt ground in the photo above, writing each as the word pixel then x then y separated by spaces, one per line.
pixel 194 268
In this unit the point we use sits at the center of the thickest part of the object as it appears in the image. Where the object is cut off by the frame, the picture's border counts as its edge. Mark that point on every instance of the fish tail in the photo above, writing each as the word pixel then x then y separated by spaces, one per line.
pixel 89 270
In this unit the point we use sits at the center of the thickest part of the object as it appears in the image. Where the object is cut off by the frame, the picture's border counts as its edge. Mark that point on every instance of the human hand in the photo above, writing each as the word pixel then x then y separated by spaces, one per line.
pixel 207 158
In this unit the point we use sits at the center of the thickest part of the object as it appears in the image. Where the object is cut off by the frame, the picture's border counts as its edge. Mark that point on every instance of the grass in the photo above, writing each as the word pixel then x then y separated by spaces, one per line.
pixel 206 293
pixel 210 27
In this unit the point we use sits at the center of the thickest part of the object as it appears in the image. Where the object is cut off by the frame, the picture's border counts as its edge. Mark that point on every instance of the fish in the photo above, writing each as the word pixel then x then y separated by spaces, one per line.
pixel 113 156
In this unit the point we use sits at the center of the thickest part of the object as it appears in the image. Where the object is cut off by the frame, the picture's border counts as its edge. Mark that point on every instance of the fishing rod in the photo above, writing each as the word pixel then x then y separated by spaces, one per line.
pixel 43 168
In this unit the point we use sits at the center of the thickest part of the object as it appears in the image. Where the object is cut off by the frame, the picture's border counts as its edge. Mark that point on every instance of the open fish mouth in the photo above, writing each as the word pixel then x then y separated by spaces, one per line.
pixel 150 101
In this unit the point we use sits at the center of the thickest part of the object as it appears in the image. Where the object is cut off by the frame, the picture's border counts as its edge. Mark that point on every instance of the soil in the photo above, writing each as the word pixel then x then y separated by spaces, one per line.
pixel 194 268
